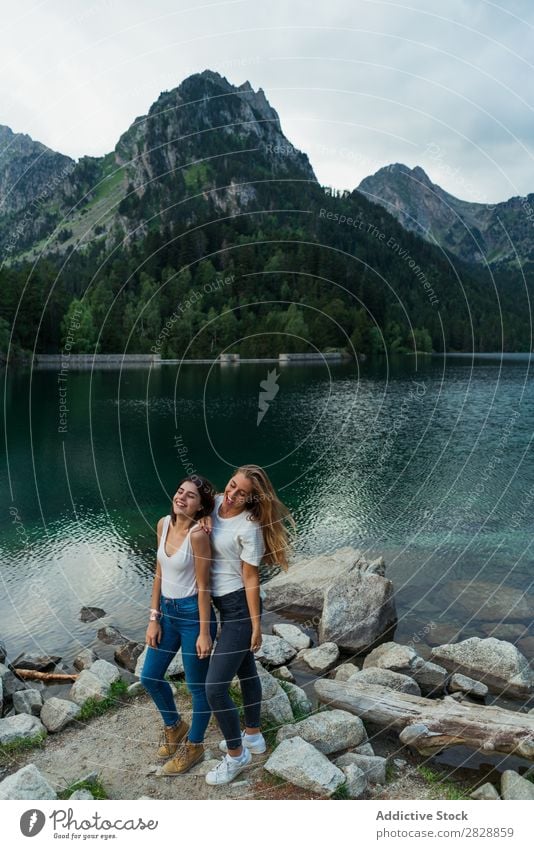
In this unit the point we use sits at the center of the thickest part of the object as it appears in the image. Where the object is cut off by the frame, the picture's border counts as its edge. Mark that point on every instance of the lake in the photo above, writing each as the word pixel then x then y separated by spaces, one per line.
pixel 426 461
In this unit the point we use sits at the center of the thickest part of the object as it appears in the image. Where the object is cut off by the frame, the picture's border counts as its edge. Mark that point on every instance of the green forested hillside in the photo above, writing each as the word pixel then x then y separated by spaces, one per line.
pixel 211 231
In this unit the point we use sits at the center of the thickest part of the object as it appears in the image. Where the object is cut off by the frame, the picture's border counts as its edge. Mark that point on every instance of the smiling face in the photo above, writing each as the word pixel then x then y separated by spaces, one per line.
pixel 186 501
pixel 236 492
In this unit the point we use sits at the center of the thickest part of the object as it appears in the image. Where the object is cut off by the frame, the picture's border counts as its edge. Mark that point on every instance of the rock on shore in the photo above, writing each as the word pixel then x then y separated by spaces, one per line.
pixel 329 731
pixel 26 783
pixel 22 726
pixel 95 682
pixel 301 590
pixel 302 764
pixel 496 663
pixel 430 677
pixel 359 608
pixel 349 600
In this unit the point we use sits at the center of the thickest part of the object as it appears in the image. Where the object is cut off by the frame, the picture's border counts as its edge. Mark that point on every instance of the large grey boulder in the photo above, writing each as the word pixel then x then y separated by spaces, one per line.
pixel 302 764
pixel 28 701
pixel 176 666
pixel 301 589
pixel 359 610
pixel 292 635
pixel 275 651
pixel 321 658
pixel 513 786
pixel 26 783
pixel 386 678
pixel 57 713
pixel 22 726
pixel 329 731
pixel 496 663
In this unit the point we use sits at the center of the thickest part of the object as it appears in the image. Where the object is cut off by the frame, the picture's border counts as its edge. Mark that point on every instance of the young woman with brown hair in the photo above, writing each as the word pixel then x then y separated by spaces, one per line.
pixel 181 616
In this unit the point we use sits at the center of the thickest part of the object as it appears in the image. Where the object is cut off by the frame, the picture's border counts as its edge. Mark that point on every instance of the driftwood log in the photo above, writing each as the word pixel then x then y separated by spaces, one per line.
pixel 51 677
pixel 430 725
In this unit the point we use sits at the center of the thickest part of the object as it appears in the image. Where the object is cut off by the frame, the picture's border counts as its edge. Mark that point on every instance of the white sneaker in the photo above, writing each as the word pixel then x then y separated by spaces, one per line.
pixel 228 769
pixel 256 748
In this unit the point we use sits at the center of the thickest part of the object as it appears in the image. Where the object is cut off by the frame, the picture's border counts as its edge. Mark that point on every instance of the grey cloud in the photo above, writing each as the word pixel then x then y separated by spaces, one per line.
pixel 77 74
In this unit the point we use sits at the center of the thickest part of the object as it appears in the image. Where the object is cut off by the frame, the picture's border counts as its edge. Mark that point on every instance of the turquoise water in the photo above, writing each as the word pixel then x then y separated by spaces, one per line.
pixel 428 462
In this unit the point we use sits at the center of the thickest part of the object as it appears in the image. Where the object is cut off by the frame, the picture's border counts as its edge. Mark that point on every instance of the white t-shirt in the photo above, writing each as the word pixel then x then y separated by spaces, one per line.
pixel 233 540
pixel 178 576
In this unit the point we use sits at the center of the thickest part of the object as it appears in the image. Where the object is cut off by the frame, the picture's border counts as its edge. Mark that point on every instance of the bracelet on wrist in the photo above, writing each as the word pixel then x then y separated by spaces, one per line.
pixel 155 615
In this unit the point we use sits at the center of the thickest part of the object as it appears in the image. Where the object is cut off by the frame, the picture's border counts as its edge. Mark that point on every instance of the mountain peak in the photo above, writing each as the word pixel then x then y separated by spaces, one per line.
pixel 396 169
pixel 470 230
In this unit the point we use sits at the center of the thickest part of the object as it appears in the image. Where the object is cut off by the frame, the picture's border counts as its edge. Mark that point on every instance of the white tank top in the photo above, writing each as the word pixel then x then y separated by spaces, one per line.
pixel 178 577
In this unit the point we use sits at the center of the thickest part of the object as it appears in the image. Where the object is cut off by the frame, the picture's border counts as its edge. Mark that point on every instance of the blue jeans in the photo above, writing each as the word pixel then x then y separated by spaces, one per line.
pixel 180 627
pixel 232 656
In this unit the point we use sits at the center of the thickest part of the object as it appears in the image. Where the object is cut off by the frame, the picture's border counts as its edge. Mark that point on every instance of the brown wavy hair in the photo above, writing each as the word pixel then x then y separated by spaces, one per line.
pixel 277 523
pixel 206 490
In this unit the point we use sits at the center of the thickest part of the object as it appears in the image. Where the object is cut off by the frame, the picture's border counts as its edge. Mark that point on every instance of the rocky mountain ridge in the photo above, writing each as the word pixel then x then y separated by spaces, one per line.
pixel 197 141
pixel 500 234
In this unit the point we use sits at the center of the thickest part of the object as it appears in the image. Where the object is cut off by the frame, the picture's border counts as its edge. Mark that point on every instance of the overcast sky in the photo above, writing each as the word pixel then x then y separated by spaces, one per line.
pixel 358 84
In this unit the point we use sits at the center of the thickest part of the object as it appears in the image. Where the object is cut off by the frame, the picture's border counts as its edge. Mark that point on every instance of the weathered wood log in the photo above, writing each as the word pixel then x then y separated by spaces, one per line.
pixel 51 677
pixel 430 725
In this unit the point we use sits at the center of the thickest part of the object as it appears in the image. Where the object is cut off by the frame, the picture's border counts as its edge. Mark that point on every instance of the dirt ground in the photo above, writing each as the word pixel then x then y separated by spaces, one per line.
pixel 121 746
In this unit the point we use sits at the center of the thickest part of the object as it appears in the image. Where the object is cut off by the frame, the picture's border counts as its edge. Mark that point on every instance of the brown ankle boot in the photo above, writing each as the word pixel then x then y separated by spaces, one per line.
pixel 171 737
pixel 187 756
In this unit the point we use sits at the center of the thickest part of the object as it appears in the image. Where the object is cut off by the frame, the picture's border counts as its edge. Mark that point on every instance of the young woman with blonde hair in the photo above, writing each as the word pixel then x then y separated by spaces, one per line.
pixel 249 525
pixel 181 616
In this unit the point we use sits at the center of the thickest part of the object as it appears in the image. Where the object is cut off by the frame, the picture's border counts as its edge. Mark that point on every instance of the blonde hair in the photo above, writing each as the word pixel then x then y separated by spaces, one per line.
pixel 277 523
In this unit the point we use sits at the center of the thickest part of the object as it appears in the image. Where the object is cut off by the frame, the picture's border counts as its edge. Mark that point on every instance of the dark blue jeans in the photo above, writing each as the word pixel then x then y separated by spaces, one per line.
pixel 232 656
pixel 180 627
